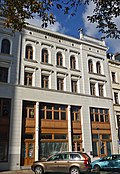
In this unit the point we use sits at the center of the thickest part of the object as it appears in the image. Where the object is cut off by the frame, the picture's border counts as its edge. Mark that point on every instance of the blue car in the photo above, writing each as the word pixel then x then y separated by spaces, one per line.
pixel 111 162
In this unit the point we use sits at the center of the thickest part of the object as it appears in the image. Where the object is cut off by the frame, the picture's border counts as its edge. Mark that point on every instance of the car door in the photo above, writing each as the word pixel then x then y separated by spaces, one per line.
pixel 63 163
pixel 52 163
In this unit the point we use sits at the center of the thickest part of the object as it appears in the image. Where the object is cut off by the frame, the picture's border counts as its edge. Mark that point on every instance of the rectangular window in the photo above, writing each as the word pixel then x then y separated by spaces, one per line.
pixel 118 120
pixel 60 84
pixel 75 110
pixel 3 74
pixel 100 88
pixel 60 136
pixel 45 136
pixel 113 77
pixel 45 81
pixel 28 78
pixel 55 112
pixel 99 115
pixel 92 88
pixel 116 98
pixel 5 109
pixel 74 86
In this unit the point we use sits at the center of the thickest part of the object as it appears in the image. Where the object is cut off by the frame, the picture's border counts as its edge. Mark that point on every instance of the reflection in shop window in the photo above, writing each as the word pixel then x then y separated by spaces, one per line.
pixel 52 148
pixel 3 151
pixel 31 150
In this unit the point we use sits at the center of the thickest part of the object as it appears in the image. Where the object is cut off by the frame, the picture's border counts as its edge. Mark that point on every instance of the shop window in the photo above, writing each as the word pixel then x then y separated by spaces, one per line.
pixel 45 136
pixel 5 48
pixel 3 151
pixel 28 78
pixel 59 59
pixel 4 107
pixel 45 55
pixel 60 136
pixel 72 62
pixel 29 52
pixel 3 74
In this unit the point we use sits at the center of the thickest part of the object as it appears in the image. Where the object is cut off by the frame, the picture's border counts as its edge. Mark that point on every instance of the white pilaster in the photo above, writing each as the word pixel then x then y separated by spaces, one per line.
pixel 69 130
pixel 37 132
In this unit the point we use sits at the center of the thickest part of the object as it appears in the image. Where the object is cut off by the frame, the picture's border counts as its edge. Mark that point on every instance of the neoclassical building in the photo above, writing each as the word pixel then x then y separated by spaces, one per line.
pixel 55 95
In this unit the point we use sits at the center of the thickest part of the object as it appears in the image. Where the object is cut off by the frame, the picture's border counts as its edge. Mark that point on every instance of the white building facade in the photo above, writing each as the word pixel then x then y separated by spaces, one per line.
pixel 55 95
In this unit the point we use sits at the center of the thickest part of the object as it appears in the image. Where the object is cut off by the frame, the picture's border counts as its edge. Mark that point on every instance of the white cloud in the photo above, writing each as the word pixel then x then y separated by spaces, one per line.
pixel 91 30
pixel 57 27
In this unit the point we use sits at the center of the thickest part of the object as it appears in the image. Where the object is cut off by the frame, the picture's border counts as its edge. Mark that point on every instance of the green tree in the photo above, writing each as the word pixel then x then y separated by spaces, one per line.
pixel 17 11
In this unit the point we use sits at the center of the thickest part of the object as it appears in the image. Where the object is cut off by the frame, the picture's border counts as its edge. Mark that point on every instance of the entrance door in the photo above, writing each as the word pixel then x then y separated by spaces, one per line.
pixel 28 152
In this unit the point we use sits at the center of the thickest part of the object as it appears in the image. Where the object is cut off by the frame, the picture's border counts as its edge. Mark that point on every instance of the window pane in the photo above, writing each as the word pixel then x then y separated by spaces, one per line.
pixel 48 114
pixel 63 115
pixel 56 115
pixel 60 136
pixel 45 136
pixel 106 136
pixel 5 46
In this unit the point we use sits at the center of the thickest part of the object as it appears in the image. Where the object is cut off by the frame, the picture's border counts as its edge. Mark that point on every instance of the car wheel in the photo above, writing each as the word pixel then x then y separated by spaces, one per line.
pixel 39 170
pixel 74 170
pixel 96 168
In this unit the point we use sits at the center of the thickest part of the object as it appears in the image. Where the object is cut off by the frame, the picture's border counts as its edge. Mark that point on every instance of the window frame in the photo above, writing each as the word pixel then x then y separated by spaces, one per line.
pixel 29 52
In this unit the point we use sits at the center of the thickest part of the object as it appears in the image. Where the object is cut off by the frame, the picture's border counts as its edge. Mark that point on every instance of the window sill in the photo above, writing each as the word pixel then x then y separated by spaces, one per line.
pixel 30 60
pixel 77 70
pixel 58 66
pixel 46 64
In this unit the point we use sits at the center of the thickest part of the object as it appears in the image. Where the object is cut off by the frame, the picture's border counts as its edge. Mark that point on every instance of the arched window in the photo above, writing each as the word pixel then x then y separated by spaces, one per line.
pixel 59 59
pixel 45 55
pixel 98 68
pixel 5 48
pixel 90 65
pixel 29 52
pixel 72 62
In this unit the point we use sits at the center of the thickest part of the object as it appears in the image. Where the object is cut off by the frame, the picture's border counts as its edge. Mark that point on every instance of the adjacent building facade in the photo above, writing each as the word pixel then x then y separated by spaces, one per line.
pixel 55 95
pixel 114 66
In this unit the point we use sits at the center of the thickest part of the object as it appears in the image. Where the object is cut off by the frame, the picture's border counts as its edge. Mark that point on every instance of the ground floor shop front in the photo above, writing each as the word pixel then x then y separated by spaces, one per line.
pixel 49 127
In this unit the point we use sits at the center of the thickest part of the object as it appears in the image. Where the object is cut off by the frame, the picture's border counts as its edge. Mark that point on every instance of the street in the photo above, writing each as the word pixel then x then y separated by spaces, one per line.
pixel 31 172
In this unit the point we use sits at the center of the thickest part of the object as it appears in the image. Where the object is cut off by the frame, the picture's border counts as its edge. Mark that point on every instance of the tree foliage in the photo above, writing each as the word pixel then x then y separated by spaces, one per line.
pixel 17 11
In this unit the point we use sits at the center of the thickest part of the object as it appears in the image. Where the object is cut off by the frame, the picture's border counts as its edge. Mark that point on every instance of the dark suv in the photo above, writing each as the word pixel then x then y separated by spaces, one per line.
pixel 66 162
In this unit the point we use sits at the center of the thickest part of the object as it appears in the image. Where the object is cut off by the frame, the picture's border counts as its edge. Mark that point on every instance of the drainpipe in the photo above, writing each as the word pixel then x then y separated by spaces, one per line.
pixel 37 132
pixel 69 130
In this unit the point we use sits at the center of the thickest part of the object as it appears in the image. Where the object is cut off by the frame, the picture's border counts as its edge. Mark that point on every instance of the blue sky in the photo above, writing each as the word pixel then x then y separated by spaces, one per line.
pixel 69 25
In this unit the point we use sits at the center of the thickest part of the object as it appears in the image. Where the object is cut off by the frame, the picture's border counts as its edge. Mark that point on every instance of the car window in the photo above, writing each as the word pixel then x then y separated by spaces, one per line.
pixel 107 158
pixel 53 158
pixel 75 156
pixel 65 156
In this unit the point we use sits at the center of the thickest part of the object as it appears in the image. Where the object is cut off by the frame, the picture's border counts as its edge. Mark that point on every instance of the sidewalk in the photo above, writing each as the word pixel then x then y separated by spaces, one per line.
pixel 18 172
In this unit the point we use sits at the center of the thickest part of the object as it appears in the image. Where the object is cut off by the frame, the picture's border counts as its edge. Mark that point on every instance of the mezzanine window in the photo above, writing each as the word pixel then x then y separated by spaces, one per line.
pixel 29 52
pixel 75 110
pixel 100 88
pixel 90 66
pixel 53 112
pixel 60 84
pixel 59 59
pixel 92 88
pixel 98 68
pixel 99 115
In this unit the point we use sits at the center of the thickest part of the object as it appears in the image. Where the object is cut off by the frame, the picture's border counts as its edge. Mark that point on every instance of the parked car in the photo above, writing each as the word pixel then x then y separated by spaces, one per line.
pixel 107 163
pixel 66 162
